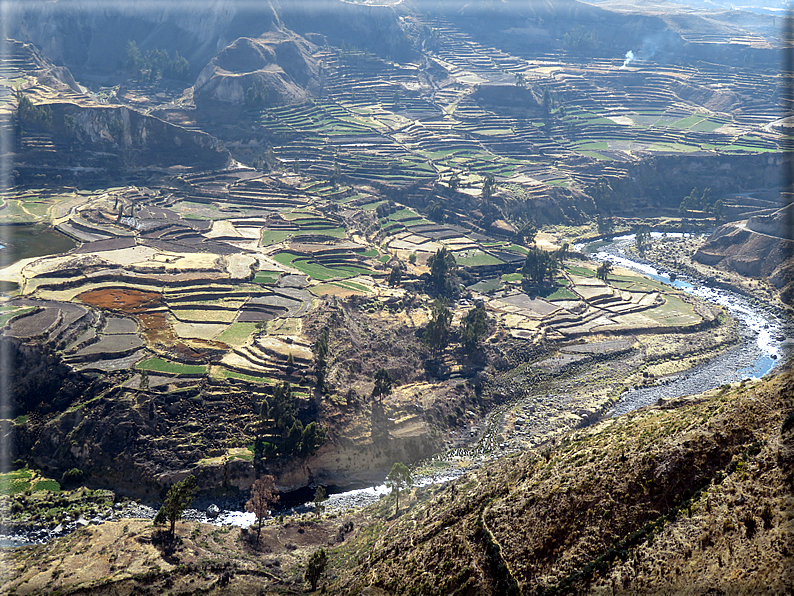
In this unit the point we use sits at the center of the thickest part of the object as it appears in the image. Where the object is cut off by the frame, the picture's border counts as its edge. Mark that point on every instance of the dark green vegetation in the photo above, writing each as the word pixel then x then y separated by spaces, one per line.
pixel 178 498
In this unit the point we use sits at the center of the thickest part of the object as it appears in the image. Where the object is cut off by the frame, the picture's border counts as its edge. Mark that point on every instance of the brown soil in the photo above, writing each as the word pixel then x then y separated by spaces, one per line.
pixel 145 306
pixel 123 299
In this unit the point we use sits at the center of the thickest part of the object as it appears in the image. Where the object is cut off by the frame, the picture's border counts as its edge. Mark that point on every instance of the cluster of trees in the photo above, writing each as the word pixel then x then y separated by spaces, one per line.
pixel 603 271
pixel 257 95
pixel 642 236
pixel 540 265
pixel 473 327
pixel 703 202
pixel 579 40
pixel 279 417
pixel 266 160
pixel 156 64
pixel 30 115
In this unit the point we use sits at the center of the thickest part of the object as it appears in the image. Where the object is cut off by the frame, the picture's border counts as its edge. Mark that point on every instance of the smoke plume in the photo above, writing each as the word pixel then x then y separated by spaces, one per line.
pixel 629 58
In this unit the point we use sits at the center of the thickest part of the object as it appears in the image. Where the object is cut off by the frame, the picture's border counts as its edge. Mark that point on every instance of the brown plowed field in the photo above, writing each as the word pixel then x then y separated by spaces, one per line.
pixel 154 325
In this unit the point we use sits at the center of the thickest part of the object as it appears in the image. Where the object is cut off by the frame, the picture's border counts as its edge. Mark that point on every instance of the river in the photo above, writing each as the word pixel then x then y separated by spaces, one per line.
pixel 764 336
pixel 764 344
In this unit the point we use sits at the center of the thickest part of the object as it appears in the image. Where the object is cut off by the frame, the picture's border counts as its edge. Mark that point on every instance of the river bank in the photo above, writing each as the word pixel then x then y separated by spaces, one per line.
pixel 543 408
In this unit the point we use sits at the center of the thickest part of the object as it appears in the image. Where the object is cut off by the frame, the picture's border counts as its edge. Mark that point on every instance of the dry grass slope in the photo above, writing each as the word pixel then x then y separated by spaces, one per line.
pixel 691 497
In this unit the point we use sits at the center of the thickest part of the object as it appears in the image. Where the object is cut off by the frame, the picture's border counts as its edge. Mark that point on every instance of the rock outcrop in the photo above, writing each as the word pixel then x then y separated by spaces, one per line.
pixel 763 247
pixel 275 69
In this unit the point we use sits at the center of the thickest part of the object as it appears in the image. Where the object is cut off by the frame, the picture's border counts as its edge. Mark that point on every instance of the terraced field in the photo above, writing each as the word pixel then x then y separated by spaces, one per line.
pixel 194 293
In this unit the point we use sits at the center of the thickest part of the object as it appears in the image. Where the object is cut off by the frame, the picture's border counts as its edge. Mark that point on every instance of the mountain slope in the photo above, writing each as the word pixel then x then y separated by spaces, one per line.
pixel 692 497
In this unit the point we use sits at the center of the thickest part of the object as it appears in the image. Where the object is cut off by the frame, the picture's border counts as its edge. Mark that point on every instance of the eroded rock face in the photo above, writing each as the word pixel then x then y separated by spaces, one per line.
pixel 760 248
pixel 282 63
pixel 134 139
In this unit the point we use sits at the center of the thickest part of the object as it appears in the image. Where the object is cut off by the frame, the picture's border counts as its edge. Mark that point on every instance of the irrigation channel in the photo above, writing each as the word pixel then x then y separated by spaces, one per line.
pixel 764 344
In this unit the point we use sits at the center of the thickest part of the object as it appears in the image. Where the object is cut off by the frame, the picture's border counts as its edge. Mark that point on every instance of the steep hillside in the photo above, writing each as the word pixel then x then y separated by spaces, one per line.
pixel 689 497
pixel 759 247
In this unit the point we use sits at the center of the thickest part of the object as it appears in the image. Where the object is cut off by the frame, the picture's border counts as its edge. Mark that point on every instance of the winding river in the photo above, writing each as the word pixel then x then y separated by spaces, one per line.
pixel 764 342
pixel 763 345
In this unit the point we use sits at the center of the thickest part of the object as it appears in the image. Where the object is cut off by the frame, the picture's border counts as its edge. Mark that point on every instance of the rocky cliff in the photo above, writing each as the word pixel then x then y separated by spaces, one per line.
pixel 761 247
pixel 274 69
pixel 94 34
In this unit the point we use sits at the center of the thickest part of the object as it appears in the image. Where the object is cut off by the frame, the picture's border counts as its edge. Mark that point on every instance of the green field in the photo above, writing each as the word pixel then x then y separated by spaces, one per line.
pixel 237 334
pixel 231 374
pixel 167 366
pixel 267 277
pixel 18 481
pixel 583 271
pixel 478 258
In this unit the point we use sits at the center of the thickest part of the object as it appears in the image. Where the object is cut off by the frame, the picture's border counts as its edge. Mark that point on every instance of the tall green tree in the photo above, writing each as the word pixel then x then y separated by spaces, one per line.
pixel 316 567
pixel 438 328
pixel 178 498
pixel 443 269
pixel 399 478
pixel 473 328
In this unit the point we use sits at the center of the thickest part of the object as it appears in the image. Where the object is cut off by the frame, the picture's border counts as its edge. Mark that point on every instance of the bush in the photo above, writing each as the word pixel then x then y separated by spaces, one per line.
pixel 73 477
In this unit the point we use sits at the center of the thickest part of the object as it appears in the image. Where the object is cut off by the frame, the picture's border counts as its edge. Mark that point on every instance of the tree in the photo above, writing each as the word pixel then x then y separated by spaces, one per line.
pixel 438 328
pixel 488 187
pixel 399 478
pixel 442 272
pixel 526 232
pixel 257 94
pixel 321 348
pixel 396 275
pixel 436 211
pixel 719 210
pixel 642 235
pixel 383 383
pixel 562 252
pixel 312 438
pixel 316 567
pixel 538 265
pixel 134 58
pixel 603 196
pixel 604 270
pixel 320 496
pixel 520 80
pixel 454 181
pixel 179 497
pixel 264 495
pixel 473 327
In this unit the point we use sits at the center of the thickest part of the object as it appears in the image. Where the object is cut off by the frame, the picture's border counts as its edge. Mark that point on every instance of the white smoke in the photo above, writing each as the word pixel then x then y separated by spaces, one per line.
pixel 629 58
